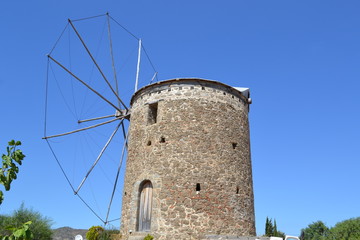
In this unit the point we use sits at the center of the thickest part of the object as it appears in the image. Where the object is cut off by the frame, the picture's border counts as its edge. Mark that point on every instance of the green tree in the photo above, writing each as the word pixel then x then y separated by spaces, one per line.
pixel 315 231
pixel 95 233
pixel 4 223
pixel 346 230
pixel 275 231
pixel 10 165
pixel 20 233
pixel 40 226
pixel 269 228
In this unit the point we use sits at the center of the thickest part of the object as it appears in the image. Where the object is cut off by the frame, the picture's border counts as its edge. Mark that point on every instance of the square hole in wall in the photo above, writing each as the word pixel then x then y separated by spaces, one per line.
pixel 198 188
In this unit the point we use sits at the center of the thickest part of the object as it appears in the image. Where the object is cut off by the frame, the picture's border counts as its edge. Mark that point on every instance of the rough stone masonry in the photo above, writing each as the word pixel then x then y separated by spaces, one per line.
pixel 188 172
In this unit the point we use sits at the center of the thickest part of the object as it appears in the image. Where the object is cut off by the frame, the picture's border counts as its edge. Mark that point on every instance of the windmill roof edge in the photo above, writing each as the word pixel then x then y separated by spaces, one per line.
pixel 245 92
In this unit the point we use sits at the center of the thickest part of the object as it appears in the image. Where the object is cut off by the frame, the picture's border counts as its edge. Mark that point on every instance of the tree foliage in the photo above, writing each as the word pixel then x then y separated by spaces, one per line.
pixel 10 165
pixel 315 231
pixel 40 226
pixel 345 230
pixel 110 234
pixel 19 233
pixel 271 229
pixel 94 233
pixel 99 233
pixel 348 229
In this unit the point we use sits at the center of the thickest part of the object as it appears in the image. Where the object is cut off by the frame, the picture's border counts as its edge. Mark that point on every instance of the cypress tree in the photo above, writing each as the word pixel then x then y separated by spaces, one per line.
pixel 275 231
pixel 269 229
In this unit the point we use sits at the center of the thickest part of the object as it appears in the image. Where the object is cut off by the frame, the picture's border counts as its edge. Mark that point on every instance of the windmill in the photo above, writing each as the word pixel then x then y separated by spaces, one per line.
pixel 86 110
pixel 189 169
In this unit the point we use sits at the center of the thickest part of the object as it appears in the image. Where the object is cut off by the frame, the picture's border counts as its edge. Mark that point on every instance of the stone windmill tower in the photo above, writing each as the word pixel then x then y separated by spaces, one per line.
pixel 188 170
pixel 188 173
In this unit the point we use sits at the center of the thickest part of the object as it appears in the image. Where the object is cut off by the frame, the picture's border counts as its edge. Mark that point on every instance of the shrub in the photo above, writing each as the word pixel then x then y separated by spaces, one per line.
pixel 40 226
pixel 94 233
pixel 149 237
pixel 105 235
pixel 99 233
pixel 114 234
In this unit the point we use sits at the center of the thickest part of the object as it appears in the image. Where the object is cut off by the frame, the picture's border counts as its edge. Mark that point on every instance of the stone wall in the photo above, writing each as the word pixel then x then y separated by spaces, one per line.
pixel 198 139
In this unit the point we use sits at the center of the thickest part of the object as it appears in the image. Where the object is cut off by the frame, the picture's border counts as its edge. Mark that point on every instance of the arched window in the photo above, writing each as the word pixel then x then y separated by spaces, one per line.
pixel 145 204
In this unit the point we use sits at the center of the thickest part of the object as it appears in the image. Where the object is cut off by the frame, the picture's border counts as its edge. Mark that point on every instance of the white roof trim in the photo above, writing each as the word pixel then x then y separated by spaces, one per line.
pixel 244 91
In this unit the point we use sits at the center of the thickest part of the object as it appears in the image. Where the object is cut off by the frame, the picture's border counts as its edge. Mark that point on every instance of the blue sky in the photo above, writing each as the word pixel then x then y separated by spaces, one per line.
pixel 300 59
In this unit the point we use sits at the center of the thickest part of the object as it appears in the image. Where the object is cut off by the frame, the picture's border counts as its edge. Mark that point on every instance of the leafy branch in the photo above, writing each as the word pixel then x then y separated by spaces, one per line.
pixel 21 233
pixel 10 165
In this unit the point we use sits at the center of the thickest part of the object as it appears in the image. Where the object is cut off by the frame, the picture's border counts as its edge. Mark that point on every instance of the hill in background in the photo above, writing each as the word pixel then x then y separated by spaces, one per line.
pixel 68 233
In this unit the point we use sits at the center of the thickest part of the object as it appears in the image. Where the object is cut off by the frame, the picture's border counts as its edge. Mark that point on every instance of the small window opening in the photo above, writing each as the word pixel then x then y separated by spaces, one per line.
pixel 152 114
pixel 198 187
pixel 202 88
pixel 192 87
pixel 237 190
pixel 148 143
pixel 224 93
pixel 162 139
pixel 234 145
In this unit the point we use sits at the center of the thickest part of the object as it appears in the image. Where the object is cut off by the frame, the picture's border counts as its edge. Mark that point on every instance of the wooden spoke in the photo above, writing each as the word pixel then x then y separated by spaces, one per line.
pixel 98 158
pixel 97 66
pixel 82 129
pixel 84 83
pixel 93 119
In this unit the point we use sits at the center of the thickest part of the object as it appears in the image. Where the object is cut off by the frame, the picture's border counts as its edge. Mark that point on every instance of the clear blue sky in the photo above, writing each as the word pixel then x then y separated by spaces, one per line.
pixel 300 59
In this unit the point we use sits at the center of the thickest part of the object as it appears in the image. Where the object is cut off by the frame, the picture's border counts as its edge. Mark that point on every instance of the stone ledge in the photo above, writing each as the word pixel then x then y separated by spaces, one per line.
pixel 224 237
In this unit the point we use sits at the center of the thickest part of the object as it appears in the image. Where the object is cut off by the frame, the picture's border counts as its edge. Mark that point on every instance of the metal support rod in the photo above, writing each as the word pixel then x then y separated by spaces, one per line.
pixel 138 66
pixel 112 57
pixel 124 133
pixel 82 129
pixel 98 158
pixel 90 208
pixel 97 66
pixel 117 175
pixel 93 119
pixel 67 70
pixel 155 74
